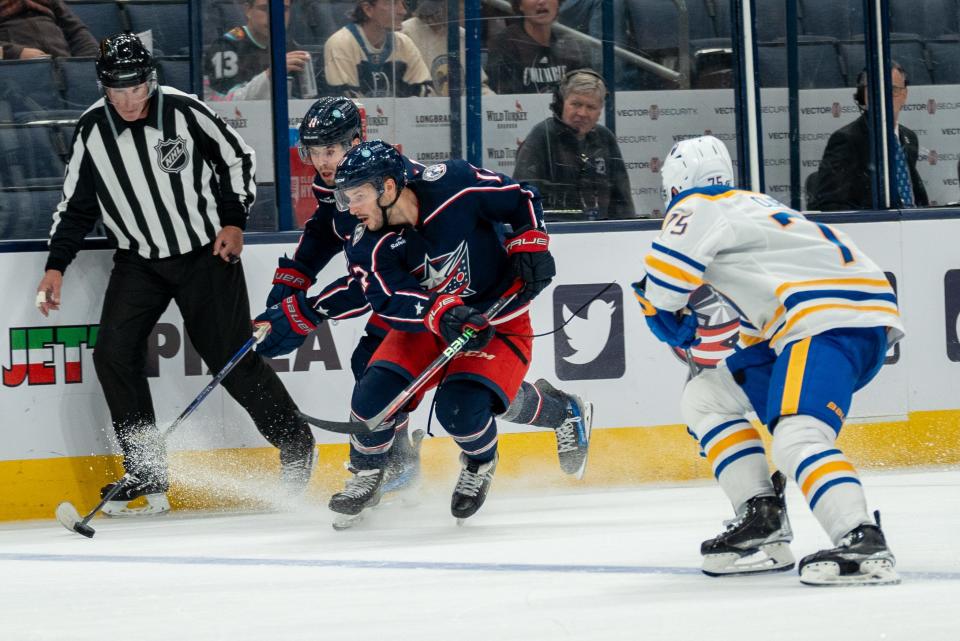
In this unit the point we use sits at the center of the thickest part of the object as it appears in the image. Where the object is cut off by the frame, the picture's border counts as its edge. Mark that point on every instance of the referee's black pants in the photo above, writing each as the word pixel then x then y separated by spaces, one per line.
pixel 212 297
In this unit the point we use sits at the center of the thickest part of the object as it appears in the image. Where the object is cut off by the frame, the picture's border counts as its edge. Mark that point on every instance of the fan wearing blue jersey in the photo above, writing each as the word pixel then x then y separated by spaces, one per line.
pixel 817 318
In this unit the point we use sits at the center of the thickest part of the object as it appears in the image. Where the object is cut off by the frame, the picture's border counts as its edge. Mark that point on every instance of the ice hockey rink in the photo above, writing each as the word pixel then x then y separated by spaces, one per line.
pixel 596 564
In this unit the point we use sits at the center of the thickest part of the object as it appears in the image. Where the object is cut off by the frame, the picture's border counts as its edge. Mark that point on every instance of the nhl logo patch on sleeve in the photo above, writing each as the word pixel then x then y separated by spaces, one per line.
pixel 434 172
pixel 172 155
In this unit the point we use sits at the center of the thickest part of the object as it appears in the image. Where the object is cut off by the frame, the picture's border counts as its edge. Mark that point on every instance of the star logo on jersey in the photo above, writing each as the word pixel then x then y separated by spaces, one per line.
pixel 172 155
pixel 448 273
pixel 590 344
pixel 358 233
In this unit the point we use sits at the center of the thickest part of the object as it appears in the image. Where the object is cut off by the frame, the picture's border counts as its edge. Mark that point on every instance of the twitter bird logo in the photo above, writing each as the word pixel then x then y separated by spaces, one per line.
pixel 587 335
pixel 589 344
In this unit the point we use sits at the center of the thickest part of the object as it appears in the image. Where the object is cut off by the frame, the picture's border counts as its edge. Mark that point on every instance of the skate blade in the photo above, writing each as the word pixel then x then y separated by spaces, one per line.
pixel 587 430
pixel 155 504
pixel 827 574
pixel 346 521
pixel 773 557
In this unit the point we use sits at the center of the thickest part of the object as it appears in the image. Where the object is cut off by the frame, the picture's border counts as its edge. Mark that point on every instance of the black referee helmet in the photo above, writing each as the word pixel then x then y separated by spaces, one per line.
pixel 123 61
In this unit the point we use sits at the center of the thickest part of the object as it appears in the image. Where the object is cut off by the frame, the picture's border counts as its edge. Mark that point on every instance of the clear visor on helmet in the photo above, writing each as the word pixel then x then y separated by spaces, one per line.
pixel 319 153
pixel 130 94
pixel 357 196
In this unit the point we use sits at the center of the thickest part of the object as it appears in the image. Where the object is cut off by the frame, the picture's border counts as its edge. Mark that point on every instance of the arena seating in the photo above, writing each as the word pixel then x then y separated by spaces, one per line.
pixel 820 66
pixel 944 61
pixel 167 20
pixel 102 17
pixel 79 76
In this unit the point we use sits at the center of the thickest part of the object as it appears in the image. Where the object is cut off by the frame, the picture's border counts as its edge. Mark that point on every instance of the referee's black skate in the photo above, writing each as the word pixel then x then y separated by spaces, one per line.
pixel 296 468
pixel 153 487
pixel 756 541
pixel 362 490
pixel 472 486
pixel 861 558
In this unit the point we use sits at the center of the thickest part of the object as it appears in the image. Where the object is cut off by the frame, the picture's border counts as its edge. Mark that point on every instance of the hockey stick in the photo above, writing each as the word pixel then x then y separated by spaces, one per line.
pixel 370 425
pixel 68 515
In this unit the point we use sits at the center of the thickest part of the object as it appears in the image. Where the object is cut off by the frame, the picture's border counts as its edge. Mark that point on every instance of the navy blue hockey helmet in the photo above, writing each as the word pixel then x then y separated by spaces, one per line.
pixel 329 121
pixel 369 162
pixel 123 61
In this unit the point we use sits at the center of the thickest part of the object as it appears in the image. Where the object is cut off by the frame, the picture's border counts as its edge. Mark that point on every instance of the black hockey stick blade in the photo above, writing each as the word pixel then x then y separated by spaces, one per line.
pixel 339 427
pixel 70 519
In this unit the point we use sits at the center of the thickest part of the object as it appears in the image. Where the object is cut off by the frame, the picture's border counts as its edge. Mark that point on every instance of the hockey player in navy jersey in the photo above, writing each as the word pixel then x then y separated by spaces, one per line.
pixel 329 128
pixel 429 258
pixel 817 316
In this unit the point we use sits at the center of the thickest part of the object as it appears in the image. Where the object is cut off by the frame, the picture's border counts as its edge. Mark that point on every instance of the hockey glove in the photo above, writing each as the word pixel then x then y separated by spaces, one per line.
pixel 531 262
pixel 291 321
pixel 449 318
pixel 673 328
pixel 291 277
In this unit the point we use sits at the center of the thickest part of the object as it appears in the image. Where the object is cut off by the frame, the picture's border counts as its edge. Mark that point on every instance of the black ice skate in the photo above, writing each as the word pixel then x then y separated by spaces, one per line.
pixel 573 435
pixel 861 558
pixel 472 486
pixel 296 468
pixel 152 487
pixel 403 466
pixel 362 491
pixel 757 541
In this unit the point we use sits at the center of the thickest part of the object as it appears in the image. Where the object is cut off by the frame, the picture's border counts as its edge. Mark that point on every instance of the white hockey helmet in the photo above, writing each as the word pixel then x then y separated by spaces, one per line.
pixel 695 162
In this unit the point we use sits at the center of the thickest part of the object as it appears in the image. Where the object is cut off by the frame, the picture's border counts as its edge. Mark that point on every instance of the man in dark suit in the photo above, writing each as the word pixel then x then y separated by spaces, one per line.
pixel 843 180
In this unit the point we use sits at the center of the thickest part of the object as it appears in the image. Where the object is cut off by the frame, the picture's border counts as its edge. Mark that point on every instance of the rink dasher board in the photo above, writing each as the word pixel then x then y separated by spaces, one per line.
pixel 633 381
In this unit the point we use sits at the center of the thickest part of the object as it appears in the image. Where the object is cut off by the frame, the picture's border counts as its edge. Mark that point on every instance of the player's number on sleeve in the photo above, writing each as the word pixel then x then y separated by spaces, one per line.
pixel 676 221
pixel 786 218
pixel 225 64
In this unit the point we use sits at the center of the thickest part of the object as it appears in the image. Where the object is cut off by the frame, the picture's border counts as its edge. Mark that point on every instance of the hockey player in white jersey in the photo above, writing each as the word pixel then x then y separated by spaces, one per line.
pixel 817 318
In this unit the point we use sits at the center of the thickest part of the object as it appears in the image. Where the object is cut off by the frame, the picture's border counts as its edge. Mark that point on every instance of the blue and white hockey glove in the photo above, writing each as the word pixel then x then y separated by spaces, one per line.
pixel 291 321
pixel 673 328
pixel 291 277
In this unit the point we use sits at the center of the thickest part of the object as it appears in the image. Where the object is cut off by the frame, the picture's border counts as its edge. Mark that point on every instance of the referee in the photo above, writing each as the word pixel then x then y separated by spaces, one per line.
pixel 173 184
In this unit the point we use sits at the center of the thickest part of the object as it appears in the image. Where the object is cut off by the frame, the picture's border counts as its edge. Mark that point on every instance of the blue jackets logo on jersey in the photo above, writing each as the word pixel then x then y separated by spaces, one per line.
pixel 951 292
pixel 447 274
pixel 172 155
pixel 591 345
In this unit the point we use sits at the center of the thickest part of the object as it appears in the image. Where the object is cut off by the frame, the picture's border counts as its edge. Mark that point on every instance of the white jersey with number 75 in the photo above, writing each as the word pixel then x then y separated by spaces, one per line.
pixel 790 277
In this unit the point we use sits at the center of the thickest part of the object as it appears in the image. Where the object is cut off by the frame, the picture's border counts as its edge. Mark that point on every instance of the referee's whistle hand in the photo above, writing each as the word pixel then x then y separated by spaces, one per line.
pixel 228 243
pixel 48 291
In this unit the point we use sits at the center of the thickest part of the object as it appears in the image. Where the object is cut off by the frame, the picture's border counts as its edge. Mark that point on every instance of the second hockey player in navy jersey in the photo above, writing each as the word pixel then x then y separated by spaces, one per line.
pixel 328 130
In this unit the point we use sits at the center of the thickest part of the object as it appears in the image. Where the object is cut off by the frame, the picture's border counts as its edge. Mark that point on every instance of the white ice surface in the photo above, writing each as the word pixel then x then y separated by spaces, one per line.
pixel 593 565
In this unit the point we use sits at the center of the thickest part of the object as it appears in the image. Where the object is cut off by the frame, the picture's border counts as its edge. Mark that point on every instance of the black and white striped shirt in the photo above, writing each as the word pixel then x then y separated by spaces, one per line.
pixel 164 185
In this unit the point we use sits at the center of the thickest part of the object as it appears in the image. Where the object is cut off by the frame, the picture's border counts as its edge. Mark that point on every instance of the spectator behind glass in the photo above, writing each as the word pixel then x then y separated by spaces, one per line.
pixel 38 28
pixel 843 179
pixel 237 65
pixel 370 58
pixel 428 29
pixel 528 57
pixel 574 161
